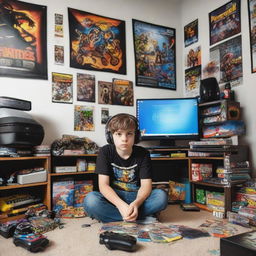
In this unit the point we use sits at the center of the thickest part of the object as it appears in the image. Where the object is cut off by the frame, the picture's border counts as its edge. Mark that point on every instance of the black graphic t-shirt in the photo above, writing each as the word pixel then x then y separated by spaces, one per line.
pixel 125 174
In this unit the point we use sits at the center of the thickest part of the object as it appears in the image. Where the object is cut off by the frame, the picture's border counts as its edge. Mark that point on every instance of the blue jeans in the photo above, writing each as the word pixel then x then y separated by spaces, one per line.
pixel 98 207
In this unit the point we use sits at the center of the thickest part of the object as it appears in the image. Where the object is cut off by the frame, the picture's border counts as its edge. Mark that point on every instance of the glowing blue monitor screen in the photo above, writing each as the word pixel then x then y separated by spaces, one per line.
pixel 170 118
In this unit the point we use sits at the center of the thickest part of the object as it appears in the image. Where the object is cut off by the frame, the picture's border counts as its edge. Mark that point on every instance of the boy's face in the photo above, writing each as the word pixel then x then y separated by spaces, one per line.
pixel 124 139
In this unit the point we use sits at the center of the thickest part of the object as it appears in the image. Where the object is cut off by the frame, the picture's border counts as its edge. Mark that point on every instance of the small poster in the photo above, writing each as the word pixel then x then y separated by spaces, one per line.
pixel 122 92
pixel 193 57
pixel 105 92
pixel 228 56
pixel 58 25
pixel 62 88
pixel 104 115
pixel 192 81
pixel 84 118
pixel 225 21
pixel 59 54
pixel 85 87
pixel 191 33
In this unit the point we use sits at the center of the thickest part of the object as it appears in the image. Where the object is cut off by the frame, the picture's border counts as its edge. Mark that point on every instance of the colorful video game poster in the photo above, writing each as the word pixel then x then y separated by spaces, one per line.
pixel 228 56
pixel 252 22
pixel 62 88
pixel 23 46
pixel 96 42
pixel 225 21
pixel 191 33
pixel 122 93
pixel 84 118
pixel 104 115
pixel 105 92
pixel 155 55
pixel 192 81
pixel 58 25
pixel 85 87
pixel 59 54
pixel 193 57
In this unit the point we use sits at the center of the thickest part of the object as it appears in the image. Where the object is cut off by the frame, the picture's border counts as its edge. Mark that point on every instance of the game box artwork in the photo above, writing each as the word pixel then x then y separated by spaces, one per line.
pixel 23 48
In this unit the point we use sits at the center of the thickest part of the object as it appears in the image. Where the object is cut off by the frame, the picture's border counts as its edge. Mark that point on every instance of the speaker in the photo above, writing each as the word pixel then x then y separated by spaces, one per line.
pixel 209 90
pixel 109 136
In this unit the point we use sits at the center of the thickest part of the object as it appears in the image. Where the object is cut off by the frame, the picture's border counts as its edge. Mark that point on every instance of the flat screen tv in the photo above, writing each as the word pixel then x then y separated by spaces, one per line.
pixel 168 120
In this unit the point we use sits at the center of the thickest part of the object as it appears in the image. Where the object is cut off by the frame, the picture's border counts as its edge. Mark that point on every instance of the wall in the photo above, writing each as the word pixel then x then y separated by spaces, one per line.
pixel 57 118
pixel 245 93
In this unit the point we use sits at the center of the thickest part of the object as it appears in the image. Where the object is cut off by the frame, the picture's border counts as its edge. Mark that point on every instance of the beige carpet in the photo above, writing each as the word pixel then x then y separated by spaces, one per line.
pixel 73 240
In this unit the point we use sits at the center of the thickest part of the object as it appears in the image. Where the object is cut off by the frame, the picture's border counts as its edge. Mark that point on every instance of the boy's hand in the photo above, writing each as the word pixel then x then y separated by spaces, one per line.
pixel 132 212
pixel 124 210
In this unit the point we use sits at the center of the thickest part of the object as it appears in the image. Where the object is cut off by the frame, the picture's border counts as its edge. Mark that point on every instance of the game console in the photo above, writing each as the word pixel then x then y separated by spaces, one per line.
pixel 18 128
pixel 116 241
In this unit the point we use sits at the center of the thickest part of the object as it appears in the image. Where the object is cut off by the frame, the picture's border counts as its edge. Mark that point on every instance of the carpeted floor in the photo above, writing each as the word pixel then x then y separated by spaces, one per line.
pixel 75 240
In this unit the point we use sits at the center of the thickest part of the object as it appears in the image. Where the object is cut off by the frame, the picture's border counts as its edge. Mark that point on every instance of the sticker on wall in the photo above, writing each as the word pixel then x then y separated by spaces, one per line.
pixel 228 56
pixel 105 92
pixel 191 33
pixel 62 88
pixel 122 92
pixel 58 25
pixel 59 54
pixel 84 118
pixel 104 115
pixel 96 42
pixel 23 40
pixel 225 22
pixel 85 87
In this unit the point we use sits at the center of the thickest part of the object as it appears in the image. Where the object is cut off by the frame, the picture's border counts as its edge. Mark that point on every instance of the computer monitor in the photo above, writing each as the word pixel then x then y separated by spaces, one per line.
pixel 168 120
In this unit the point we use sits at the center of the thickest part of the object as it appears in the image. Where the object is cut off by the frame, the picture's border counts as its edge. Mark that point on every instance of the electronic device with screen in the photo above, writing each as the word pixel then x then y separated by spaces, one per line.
pixel 168 120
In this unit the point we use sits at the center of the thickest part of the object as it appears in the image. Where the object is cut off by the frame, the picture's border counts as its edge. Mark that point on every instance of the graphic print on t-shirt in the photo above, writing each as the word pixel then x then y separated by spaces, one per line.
pixel 125 178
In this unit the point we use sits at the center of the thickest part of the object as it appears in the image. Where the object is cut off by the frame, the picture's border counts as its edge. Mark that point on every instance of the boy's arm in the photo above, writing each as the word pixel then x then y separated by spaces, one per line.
pixel 111 195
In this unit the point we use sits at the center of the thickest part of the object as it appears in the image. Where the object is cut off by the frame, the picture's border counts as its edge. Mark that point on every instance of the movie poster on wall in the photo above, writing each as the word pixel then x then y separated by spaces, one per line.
pixel 192 81
pixel 85 87
pixel 225 22
pixel 122 92
pixel 228 58
pixel 193 57
pixel 23 46
pixel 96 42
pixel 155 55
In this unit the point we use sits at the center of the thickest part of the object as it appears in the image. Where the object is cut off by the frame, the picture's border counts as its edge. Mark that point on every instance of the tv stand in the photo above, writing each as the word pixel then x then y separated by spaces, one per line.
pixel 167 143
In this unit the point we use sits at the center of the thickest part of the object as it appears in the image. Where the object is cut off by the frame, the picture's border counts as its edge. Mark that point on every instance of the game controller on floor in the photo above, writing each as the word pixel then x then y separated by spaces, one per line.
pixel 116 241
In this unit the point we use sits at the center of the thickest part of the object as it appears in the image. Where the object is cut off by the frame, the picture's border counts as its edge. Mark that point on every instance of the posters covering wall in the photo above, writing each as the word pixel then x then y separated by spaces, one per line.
pixel 96 42
pixel 155 60
pixel 23 47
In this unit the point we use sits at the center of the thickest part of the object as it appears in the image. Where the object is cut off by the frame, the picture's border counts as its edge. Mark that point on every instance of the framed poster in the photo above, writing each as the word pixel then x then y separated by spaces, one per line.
pixel 23 46
pixel 62 88
pixel 225 21
pixel 252 30
pixel 155 55
pixel 228 57
pixel 96 42
pixel 191 33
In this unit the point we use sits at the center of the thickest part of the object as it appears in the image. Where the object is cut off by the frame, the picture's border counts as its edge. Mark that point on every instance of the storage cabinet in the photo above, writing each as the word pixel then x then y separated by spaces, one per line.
pixel 9 165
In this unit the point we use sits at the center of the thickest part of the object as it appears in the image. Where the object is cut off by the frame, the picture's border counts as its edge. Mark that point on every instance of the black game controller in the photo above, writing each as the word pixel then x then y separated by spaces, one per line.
pixel 116 241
